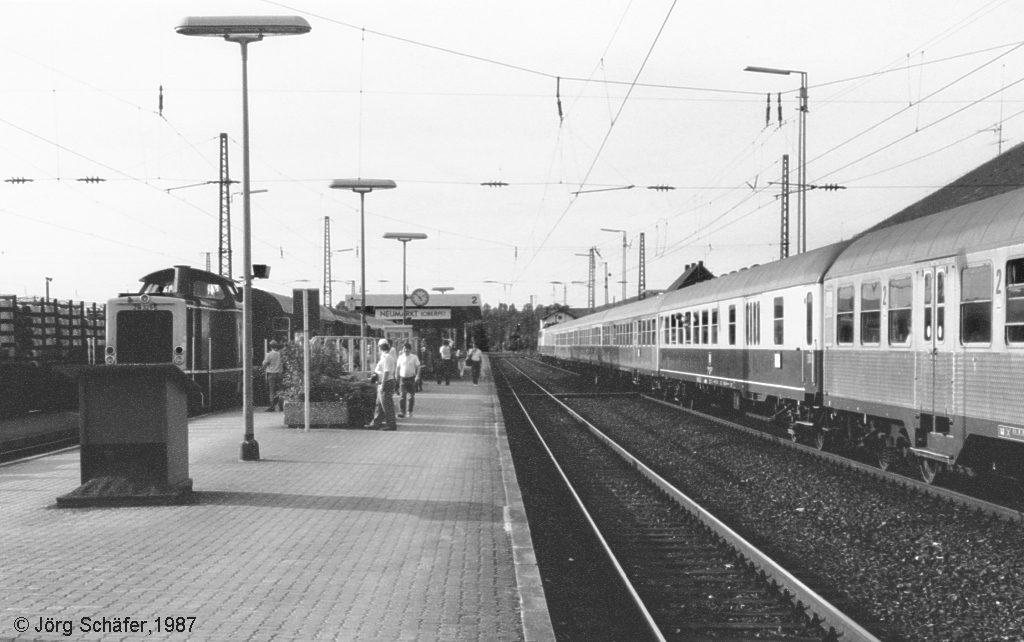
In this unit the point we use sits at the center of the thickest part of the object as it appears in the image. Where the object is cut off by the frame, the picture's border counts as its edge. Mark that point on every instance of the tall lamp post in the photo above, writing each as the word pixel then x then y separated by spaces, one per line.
pixel 244 30
pixel 404 237
pixel 801 201
pixel 362 186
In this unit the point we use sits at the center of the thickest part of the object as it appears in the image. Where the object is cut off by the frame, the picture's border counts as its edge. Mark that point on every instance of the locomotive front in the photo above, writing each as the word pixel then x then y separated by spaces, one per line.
pixel 187 317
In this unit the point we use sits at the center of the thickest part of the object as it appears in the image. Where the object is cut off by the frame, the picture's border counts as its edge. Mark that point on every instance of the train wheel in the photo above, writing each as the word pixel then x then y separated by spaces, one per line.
pixel 930 469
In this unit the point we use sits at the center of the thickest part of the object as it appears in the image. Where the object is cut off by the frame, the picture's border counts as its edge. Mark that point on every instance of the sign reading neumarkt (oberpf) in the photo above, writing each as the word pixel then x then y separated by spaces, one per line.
pixel 414 314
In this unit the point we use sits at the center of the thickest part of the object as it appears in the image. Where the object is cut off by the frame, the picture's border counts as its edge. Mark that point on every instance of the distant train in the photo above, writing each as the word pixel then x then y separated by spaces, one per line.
pixel 193 319
pixel 909 340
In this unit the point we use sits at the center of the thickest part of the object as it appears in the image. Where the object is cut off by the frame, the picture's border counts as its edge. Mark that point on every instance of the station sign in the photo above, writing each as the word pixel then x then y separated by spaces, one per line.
pixel 413 314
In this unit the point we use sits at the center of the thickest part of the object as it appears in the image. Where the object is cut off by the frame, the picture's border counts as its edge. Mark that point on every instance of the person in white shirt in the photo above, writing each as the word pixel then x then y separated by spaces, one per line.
pixel 444 368
pixel 475 359
pixel 274 371
pixel 408 373
pixel 384 412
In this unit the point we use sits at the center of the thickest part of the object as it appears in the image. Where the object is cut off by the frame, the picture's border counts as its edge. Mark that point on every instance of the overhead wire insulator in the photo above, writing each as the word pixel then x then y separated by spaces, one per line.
pixel 778 99
pixel 91 179
pixel 558 98
pixel 495 184
pixel 768 111
pixel 19 179
pixel 661 188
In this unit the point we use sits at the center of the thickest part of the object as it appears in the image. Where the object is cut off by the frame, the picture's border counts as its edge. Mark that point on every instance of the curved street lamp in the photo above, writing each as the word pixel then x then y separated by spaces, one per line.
pixel 404 237
pixel 244 30
pixel 801 202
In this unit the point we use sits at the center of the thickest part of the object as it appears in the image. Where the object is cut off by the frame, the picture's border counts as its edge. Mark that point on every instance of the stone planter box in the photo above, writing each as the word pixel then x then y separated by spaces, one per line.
pixel 334 414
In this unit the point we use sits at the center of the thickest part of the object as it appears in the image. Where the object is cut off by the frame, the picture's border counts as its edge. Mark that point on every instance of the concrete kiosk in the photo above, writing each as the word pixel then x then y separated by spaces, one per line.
pixel 134 436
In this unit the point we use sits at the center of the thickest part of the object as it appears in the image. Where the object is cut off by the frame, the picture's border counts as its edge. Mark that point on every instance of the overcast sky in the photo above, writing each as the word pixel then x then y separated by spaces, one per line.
pixel 569 103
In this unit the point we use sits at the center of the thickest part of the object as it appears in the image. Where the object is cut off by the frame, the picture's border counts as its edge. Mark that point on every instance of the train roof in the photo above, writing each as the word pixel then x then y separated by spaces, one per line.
pixel 802 269
pixel 982 225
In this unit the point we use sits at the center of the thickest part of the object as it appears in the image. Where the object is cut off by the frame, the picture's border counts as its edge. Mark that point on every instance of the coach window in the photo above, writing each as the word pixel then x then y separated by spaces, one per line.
pixel 704 326
pixel 714 325
pixel 844 316
pixel 1015 302
pixel 976 305
pixel 900 301
pixel 732 325
pixel 927 307
pixel 779 321
pixel 809 306
pixel 870 313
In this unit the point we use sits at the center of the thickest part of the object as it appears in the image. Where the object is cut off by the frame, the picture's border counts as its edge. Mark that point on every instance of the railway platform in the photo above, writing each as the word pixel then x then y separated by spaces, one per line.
pixel 347 534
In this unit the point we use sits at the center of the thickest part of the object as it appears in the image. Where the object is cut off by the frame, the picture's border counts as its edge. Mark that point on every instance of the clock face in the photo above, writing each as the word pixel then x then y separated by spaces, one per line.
pixel 419 297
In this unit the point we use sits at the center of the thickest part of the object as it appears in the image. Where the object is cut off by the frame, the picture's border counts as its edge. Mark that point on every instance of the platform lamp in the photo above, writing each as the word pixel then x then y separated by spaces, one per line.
pixel 362 186
pixel 801 201
pixel 404 237
pixel 244 30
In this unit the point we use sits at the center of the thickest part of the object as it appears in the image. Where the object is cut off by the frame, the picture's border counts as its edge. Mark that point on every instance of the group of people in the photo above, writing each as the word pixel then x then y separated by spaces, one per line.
pixel 404 371
pixel 401 371
pixel 450 360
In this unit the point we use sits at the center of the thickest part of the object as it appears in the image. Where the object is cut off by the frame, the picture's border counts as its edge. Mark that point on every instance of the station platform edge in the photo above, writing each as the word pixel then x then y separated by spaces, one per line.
pixel 341 534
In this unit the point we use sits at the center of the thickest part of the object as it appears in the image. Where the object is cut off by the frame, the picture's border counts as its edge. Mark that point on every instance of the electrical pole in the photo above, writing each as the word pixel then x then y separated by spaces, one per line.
pixel 784 233
pixel 642 269
pixel 224 249
pixel 327 263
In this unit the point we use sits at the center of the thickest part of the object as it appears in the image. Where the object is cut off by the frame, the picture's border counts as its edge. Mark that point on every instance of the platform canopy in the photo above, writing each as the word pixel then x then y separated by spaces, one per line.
pixel 435 311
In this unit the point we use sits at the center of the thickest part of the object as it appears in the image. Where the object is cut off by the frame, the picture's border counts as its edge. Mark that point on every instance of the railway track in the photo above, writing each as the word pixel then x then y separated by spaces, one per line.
pixel 690 576
pixel 976 494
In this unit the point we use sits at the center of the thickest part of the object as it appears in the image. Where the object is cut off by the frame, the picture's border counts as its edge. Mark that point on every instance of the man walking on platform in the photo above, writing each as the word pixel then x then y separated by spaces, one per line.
pixel 445 367
pixel 474 360
pixel 408 374
pixel 273 369
pixel 384 412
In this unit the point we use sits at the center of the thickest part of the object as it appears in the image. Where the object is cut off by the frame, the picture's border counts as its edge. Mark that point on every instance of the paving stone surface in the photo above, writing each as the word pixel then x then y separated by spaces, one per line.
pixel 333 535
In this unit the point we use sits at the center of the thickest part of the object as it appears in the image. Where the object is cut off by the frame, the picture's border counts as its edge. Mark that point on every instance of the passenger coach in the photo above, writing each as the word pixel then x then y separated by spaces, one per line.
pixel 925 338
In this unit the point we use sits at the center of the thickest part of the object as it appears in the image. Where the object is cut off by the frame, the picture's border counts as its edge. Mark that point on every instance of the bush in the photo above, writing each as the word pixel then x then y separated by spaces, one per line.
pixel 327 374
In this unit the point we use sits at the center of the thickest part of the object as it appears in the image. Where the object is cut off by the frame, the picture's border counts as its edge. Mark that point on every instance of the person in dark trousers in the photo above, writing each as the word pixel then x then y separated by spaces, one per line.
pixel 408 374
pixel 474 358
pixel 273 369
pixel 384 412
pixel 444 368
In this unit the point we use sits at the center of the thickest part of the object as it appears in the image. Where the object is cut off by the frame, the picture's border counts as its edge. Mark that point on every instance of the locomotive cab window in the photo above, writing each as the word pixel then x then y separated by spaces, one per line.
pixel 1015 302
pixel 976 305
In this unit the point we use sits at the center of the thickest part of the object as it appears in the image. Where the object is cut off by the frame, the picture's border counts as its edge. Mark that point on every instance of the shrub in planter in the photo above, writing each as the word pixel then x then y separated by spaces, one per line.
pixel 352 396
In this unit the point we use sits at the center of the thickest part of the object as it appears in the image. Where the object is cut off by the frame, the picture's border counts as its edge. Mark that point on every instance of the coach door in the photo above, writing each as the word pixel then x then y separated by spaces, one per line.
pixel 934 357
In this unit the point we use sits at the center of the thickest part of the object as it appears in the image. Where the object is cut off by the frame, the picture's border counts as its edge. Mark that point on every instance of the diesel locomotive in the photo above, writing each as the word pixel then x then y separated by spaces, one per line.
pixel 193 319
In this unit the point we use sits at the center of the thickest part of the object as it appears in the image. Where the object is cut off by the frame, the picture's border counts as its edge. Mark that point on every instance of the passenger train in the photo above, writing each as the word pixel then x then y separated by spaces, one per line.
pixel 193 319
pixel 909 340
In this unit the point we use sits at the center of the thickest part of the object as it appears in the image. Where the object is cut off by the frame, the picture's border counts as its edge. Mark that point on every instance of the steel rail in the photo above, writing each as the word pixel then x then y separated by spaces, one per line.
pixel 825 611
pixel 637 600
